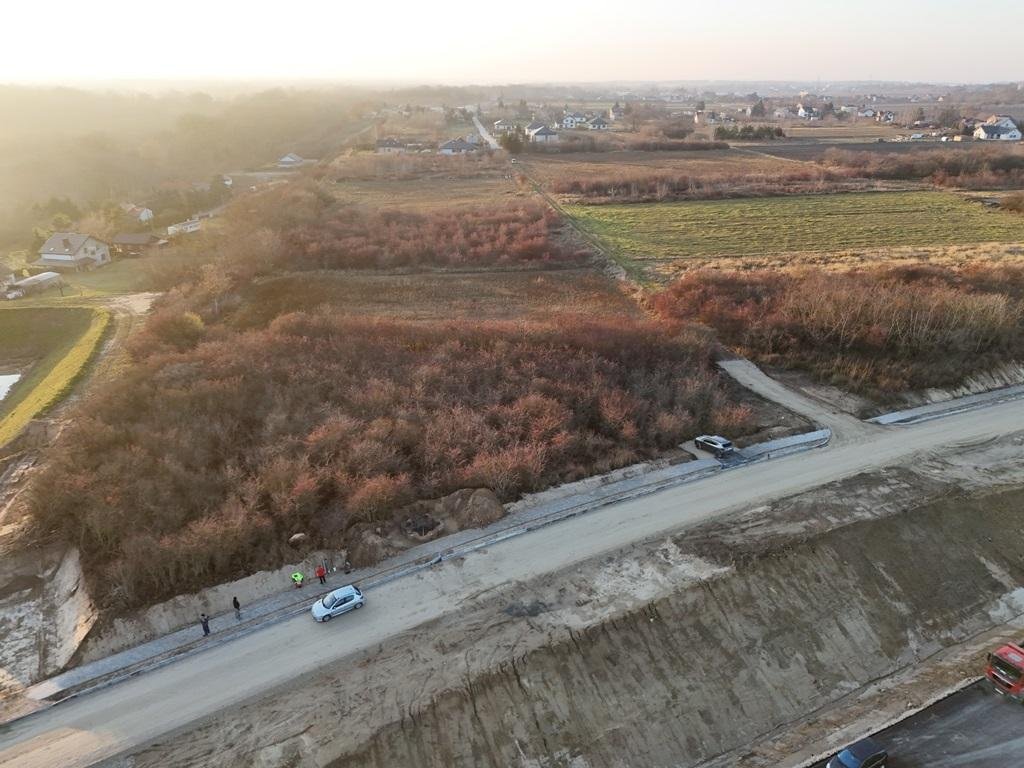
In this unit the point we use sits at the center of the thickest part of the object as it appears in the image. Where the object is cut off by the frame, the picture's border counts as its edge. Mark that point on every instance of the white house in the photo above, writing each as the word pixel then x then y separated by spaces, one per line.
pixel 597 124
pixel 291 160
pixel 137 212
pixel 573 120
pixel 456 147
pixel 544 135
pixel 1002 121
pixel 996 132
pixel 72 251
pixel 184 227
pixel 504 126
pixel 807 112
pixel 536 125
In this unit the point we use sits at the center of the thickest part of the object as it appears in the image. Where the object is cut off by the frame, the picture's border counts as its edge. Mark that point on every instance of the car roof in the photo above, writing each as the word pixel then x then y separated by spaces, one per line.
pixel 348 589
pixel 865 748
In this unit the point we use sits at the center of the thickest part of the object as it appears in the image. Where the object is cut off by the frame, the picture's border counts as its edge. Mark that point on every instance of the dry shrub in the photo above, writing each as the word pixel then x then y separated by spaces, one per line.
pixel 974 168
pixel 199 463
pixel 638 185
pixel 878 331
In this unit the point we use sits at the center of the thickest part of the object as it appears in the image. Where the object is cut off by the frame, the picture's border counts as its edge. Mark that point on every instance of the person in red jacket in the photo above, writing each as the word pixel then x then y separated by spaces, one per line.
pixel 321 573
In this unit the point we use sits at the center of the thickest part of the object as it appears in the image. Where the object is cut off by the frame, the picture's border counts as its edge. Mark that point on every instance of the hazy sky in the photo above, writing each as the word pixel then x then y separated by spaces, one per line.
pixel 518 41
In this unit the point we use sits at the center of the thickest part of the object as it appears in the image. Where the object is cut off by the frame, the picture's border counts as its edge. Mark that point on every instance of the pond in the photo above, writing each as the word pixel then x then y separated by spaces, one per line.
pixel 7 380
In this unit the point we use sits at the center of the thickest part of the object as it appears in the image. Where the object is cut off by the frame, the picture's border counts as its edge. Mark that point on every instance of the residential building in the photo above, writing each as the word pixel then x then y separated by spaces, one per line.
pixel 536 125
pixel 137 212
pixel 291 160
pixel 997 132
pixel 504 126
pixel 1002 121
pixel 73 252
pixel 544 135
pixel 573 120
pixel 807 112
pixel 616 112
pixel 783 113
pixel 456 147
pixel 391 146
pixel 597 124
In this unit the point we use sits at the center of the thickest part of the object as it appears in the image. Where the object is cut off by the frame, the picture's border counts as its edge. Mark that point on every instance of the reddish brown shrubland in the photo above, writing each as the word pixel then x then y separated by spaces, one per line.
pixel 975 168
pixel 305 228
pixel 218 444
pixel 878 332
pixel 642 185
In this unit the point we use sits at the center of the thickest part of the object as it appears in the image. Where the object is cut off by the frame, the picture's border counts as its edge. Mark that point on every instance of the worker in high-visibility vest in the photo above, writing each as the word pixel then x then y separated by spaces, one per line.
pixel 297 578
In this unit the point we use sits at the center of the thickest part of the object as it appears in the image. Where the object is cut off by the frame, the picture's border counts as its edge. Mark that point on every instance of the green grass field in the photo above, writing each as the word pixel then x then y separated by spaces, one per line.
pixel 655 232
pixel 55 345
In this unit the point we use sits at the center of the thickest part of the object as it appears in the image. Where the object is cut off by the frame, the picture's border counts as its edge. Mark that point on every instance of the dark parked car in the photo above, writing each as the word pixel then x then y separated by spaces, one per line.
pixel 866 753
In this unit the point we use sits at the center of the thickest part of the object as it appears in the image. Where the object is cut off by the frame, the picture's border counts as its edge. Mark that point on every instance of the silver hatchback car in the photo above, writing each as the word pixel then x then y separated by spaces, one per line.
pixel 341 600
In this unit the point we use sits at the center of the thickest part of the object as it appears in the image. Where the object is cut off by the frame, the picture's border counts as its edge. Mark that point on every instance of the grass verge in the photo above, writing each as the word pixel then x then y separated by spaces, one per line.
pixel 52 377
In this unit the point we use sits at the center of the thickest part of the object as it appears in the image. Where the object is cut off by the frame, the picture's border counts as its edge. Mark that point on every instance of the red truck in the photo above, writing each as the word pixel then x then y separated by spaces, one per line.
pixel 1005 670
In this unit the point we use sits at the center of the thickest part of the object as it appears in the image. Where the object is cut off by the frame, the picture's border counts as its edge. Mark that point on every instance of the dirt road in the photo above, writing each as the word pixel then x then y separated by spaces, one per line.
pixel 103 724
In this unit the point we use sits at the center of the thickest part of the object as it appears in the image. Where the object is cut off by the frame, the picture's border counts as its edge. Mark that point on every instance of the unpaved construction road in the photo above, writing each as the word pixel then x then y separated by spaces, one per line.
pixel 974 727
pixel 84 731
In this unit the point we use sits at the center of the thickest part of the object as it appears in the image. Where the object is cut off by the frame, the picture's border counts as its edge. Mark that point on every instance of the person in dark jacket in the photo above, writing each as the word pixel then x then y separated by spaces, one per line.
pixel 238 608
pixel 205 621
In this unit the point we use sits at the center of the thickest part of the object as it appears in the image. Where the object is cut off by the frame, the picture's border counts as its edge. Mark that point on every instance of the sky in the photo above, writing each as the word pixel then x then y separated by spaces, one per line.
pixel 488 42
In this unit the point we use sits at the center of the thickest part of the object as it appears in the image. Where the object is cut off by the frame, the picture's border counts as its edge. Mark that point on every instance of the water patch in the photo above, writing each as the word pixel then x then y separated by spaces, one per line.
pixel 7 381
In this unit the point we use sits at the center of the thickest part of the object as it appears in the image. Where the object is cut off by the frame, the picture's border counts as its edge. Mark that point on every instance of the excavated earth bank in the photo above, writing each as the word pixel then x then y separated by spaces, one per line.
pixel 682 652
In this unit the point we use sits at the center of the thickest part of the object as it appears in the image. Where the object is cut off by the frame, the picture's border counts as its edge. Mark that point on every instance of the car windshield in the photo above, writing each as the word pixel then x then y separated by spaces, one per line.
pixel 330 601
pixel 726 444
pixel 1005 668
pixel 847 758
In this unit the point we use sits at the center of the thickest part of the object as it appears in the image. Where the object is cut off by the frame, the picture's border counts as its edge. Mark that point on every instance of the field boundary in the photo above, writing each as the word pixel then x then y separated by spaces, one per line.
pixel 57 382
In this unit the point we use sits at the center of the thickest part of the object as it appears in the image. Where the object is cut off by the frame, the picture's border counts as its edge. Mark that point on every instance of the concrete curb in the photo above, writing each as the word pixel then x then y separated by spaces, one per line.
pixel 948 407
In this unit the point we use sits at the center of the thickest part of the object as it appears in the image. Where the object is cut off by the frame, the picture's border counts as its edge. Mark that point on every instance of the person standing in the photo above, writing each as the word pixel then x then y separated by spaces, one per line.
pixel 297 579
pixel 321 573
pixel 205 621
pixel 238 608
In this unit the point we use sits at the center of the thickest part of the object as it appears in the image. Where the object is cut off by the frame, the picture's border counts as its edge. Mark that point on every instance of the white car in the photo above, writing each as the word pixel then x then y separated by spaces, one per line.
pixel 341 600
pixel 715 444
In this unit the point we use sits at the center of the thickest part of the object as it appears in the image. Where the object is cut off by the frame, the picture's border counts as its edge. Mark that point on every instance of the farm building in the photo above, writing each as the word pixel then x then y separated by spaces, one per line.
pixel 544 135
pixel 72 251
pixel 456 147
pixel 134 243
pixel 291 160
pixel 391 146
pixel 37 283
pixel 184 227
